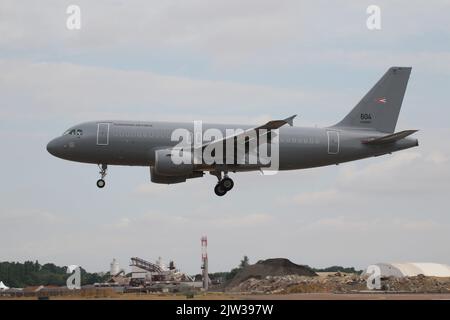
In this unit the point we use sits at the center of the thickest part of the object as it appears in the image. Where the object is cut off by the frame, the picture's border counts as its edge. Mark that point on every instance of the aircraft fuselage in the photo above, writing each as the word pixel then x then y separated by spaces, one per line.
pixel 134 144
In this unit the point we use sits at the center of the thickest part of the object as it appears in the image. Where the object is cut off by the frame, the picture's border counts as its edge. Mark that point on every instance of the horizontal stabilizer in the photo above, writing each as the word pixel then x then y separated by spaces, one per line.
pixel 389 138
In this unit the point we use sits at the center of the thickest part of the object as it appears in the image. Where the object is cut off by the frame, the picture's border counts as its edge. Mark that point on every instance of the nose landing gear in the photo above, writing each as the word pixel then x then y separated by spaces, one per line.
pixel 224 184
pixel 101 182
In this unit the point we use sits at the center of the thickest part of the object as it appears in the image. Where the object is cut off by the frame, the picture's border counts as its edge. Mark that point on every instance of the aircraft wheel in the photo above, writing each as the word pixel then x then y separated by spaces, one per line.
pixel 227 183
pixel 101 183
pixel 220 190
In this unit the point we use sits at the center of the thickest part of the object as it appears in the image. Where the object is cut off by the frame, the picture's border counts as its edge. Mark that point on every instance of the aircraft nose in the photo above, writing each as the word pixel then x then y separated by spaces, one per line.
pixel 52 147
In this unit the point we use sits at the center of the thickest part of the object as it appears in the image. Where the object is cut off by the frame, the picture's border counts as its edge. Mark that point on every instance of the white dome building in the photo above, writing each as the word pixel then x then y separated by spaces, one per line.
pixel 411 269
pixel 3 287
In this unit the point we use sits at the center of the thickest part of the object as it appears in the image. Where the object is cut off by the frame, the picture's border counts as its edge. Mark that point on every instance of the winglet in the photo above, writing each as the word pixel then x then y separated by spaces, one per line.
pixel 275 124
pixel 290 120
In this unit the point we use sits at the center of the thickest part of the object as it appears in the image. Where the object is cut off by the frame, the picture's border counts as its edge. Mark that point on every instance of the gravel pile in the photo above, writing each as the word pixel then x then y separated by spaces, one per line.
pixel 339 283
pixel 270 268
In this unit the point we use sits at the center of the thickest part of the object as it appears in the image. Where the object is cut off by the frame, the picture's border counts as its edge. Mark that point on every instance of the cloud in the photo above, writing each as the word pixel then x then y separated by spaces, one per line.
pixel 362 225
pixel 408 185
pixel 437 157
pixel 228 34
pixel 431 62
pixel 340 224
pixel 14 219
pixel 374 174
pixel 151 189
pixel 316 197
pixel 61 88
pixel 218 221
pixel 227 62
pixel 217 27
pixel 422 225
pixel 121 224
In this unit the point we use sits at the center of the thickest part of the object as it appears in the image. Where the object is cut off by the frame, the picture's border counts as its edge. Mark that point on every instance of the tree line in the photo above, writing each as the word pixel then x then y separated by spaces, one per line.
pixel 29 273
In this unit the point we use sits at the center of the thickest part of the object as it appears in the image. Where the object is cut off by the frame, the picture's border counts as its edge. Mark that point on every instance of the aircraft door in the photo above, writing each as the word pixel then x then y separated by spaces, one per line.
pixel 333 142
pixel 103 134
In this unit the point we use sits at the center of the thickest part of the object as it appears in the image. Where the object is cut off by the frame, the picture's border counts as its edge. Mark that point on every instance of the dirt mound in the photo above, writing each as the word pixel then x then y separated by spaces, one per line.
pixel 340 283
pixel 270 268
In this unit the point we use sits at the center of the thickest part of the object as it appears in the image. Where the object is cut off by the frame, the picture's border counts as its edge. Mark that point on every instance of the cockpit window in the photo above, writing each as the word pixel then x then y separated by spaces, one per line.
pixel 73 132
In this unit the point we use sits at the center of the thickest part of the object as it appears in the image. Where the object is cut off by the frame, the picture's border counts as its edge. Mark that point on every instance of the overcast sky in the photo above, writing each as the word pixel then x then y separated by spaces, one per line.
pixel 221 61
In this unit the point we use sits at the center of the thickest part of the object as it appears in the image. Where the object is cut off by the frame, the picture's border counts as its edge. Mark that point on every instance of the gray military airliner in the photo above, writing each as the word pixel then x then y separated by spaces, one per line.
pixel 367 131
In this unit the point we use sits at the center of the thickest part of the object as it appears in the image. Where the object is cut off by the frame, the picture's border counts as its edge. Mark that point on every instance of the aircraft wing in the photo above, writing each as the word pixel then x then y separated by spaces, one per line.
pixel 389 138
pixel 271 125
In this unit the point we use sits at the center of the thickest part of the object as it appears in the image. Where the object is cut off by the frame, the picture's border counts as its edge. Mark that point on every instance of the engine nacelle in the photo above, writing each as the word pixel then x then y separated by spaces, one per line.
pixel 164 165
pixel 158 178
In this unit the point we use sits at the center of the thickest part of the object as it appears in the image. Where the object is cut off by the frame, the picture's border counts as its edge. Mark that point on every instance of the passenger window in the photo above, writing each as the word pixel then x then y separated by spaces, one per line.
pixel 79 132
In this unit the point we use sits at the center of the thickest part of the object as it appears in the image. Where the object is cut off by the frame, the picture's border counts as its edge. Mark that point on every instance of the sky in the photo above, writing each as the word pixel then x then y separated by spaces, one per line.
pixel 225 62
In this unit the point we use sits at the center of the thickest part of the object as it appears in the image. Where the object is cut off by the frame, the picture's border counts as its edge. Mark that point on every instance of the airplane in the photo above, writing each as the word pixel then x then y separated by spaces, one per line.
pixel 367 131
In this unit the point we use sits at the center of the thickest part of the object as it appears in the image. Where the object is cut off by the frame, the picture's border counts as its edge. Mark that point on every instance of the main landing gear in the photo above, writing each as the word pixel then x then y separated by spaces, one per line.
pixel 101 182
pixel 224 184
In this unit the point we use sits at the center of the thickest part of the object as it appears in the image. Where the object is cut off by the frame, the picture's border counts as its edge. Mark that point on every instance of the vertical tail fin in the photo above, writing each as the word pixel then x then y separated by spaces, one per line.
pixel 380 107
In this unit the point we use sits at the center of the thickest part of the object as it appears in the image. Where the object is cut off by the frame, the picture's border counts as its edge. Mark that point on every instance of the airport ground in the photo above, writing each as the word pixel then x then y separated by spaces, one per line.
pixel 232 296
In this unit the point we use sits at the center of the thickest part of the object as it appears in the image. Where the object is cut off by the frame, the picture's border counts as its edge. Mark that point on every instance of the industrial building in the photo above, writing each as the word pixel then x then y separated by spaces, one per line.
pixel 145 273
pixel 157 276
pixel 411 269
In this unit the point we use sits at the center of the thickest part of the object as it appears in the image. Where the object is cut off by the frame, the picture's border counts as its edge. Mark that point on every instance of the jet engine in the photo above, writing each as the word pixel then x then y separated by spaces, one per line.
pixel 158 178
pixel 165 166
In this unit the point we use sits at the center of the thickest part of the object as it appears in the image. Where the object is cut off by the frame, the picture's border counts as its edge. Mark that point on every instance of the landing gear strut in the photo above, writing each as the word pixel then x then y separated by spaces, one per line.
pixel 101 182
pixel 224 184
